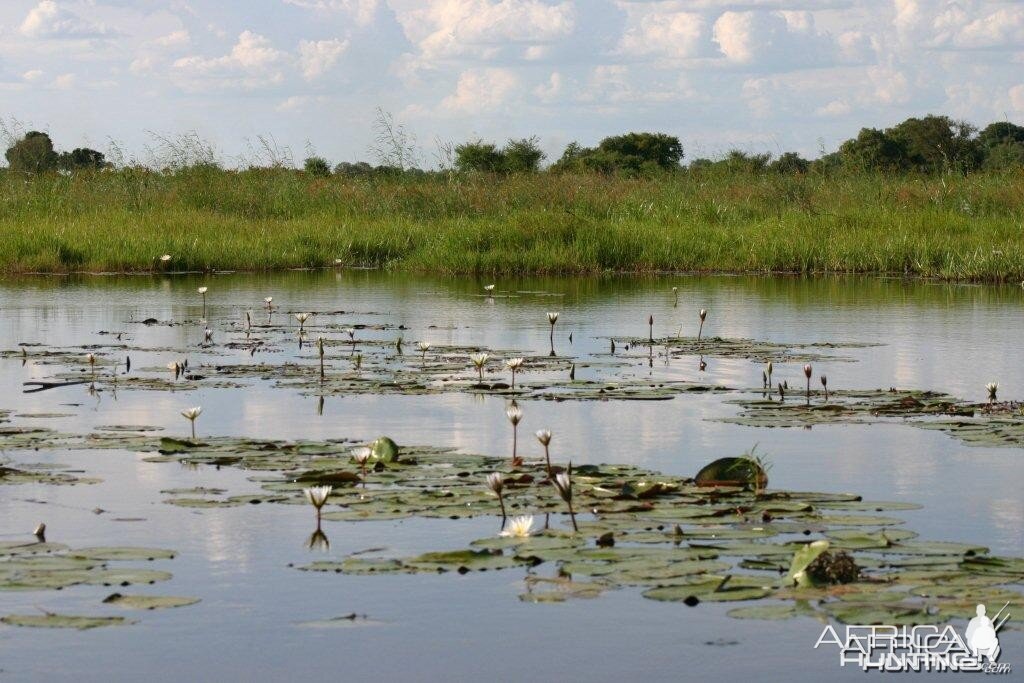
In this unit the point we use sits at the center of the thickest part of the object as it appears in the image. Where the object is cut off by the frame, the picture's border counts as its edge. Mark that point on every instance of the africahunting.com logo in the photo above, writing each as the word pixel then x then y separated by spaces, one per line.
pixel 922 648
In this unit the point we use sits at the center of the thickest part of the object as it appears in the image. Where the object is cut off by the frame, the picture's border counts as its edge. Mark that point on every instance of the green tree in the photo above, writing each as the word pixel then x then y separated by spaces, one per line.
pixel 318 167
pixel 523 156
pixel 360 168
pixel 479 157
pixel 1002 131
pixel 934 144
pixel 637 149
pixel 82 158
pixel 873 150
pixel 790 163
pixel 32 154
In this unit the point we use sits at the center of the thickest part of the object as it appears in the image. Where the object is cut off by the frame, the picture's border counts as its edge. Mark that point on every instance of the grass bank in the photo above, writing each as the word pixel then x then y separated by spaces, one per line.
pixel 969 228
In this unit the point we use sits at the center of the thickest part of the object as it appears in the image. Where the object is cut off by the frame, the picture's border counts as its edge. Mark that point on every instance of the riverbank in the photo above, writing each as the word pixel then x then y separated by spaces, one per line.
pixel 958 228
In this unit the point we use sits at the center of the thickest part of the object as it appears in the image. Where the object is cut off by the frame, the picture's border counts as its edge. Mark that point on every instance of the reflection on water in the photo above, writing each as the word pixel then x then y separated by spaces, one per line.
pixel 937 336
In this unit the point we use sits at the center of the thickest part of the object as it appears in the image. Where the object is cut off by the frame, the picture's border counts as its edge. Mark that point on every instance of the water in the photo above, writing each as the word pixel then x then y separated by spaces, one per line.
pixel 935 336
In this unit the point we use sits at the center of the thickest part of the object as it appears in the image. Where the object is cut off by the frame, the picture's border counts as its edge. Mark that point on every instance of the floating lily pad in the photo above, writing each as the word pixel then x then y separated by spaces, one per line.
pixel 81 623
pixel 148 602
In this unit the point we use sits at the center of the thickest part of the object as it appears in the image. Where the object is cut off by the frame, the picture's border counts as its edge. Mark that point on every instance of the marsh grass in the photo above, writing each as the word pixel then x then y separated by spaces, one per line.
pixel 949 227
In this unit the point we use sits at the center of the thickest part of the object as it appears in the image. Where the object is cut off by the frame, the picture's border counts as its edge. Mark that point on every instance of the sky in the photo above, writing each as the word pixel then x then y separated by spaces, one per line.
pixel 308 75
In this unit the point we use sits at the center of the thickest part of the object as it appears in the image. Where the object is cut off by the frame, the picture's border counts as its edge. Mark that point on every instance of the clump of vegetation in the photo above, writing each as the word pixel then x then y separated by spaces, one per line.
pixel 830 569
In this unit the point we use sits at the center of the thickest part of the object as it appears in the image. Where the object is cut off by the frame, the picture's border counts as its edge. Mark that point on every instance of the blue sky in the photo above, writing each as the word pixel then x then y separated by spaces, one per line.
pixel 762 75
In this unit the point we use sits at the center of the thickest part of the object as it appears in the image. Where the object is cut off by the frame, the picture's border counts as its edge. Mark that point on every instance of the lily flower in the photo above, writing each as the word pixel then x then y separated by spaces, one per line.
pixel 519 527
pixel 302 318
pixel 423 347
pixel 479 361
pixel 563 484
pixel 514 364
pixel 191 414
pixel 544 436
pixel 165 258
pixel 317 496
pixel 495 483
pixel 362 455
pixel 489 289
pixel 992 388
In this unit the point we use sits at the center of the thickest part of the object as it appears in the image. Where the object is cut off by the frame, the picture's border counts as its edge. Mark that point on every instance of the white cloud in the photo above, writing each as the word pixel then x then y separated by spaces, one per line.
pixel 32 75
pixel 482 90
pixel 49 20
pixel 173 39
pixel 362 11
pixel 252 63
pixel 662 30
pixel 1016 94
pixel 834 108
pixel 317 57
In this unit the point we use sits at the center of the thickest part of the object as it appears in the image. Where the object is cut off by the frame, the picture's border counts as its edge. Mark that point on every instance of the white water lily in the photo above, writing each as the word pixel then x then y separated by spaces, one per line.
pixel 191 414
pixel 544 436
pixel 563 483
pixel 90 358
pixel 519 527
pixel 317 496
pixel 992 388
pixel 268 300
pixel 495 482
pixel 208 334
pixel 165 258
pixel 489 288
pixel 203 290
pixel 362 454
pixel 351 332
pixel 552 317
pixel 479 361
pixel 514 364
pixel 514 413
pixel 423 347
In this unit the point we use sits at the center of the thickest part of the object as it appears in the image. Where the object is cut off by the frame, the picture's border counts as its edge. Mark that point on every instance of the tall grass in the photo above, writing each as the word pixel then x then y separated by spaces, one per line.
pixel 950 227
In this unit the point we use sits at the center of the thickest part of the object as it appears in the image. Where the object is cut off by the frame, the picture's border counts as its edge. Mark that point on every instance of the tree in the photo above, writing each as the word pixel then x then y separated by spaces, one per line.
pixel 1000 132
pixel 318 167
pixel 523 156
pixel 82 158
pixel 873 150
pixel 737 160
pixel 360 168
pixel 934 144
pixel 790 163
pixel 32 154
pixel 479 157
pixel 637 149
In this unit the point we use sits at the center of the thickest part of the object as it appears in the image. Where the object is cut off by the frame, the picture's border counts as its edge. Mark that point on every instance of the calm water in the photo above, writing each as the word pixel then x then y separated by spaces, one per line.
pixel 936 336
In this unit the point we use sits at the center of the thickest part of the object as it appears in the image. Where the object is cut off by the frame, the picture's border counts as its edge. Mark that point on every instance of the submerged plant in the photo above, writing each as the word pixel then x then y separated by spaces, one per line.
pixel 479 361
pixel 515 415
pixel 514 364
pixel 563 484
pixel 496 484
pixel 317 496
pixel 519 527
pixel 544 436
pixel 993 389
pixel 191 414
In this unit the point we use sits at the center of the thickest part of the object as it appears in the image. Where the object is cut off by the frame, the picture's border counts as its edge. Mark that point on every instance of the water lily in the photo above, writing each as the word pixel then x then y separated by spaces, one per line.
pixel 552 318
pixel 302 318
pixel 544 436
pixel 207 335
pixel 514 364
pixel 675 293
pixel 362 456
pixel 423 347
pixel 703 317
pixel 202 291
pixel 351 332
pixel 317 496
pixel 489 289
pixel 992 388
pixel 320 350
pixel 165 258
pixel 496 484
pixel 650 329
pixel 768 371
pixel 268 301
pixel 479 361
pixel 824 384
pixel 515 415
pixel 563 484
pixel 90 358
pixel 191 414
pixel 808 370
pixel 519 527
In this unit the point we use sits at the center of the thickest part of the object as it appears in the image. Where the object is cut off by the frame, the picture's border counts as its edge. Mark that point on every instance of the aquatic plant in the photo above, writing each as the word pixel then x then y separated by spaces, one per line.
pixel 992 389
pixel 808 370
pixel 496 484
pixel 544 436
pixel 479 361
pixel 519 527
pixel 675 294
pixel 423 347
pixel 207 335
pixel 515 415
pixel 824 385
pixel 302 318
pixel 268 302
pixel 489 289
pixel 191 414
pixel 768 373
pixel 362 455
pixel 650 329
pixel 165 258
pixel 320 350
pixel 552 318
pixel 317 496
pixel 703 317
pixel 563 484
pixel 90 358
pixel 514 364
pixel 202 291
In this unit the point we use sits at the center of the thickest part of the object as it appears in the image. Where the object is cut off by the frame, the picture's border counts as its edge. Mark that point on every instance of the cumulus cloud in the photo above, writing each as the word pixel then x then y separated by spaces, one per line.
pixel 482 90
pixel 50 20
pixel 253 62
pixel 959 24
pixel 446 28
pixel 317 57
pixel 663 30
pixel 362 11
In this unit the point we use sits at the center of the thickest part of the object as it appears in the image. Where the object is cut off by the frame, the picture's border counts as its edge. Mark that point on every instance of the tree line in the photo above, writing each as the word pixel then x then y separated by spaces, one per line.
pixel 930 144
